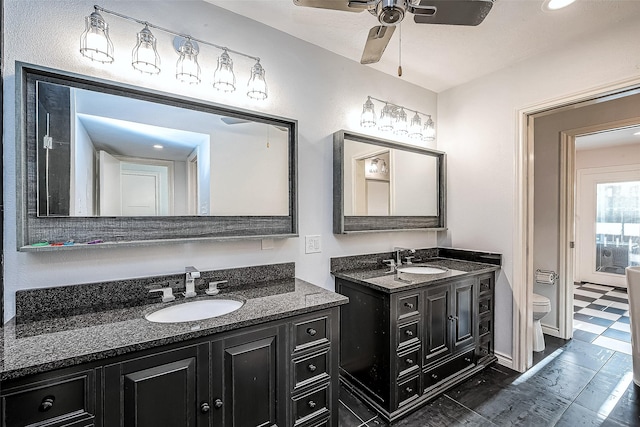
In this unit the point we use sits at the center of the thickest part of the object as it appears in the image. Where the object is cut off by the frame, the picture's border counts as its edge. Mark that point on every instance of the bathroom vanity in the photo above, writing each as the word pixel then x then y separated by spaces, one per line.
pixel 274 361
pixel 407 338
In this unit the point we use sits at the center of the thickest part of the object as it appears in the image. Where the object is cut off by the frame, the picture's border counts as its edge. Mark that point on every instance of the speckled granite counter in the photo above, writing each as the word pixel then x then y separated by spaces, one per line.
pixel 369 270
pixel 43 345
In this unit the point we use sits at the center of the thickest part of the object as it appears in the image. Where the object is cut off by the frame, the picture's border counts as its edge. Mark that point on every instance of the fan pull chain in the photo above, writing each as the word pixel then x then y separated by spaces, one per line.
pixel 400 51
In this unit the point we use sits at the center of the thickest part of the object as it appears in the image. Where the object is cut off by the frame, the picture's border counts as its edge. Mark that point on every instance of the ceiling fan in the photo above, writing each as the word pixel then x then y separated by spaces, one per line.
pixel 392 12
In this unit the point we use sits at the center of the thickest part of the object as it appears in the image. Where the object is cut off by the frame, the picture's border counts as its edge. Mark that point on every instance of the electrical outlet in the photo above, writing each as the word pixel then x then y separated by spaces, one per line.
pixel 312 244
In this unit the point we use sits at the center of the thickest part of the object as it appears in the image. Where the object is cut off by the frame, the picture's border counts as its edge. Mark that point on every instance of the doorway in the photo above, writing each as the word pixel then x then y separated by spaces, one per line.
pixel 545 182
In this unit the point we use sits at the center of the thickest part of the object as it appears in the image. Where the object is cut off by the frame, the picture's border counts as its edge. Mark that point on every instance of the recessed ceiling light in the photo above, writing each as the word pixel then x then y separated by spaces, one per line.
pixel 551 5
pixel 158 147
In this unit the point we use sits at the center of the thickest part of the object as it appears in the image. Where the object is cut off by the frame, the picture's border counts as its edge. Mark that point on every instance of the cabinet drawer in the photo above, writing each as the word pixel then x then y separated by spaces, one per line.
pixel 445 370
pixel 485 305
pixel 408 334
pixel 314 404
pixel 485 327
pixel 63 399
pixel 408 390
pixel 310 369
pixel 310 333
pixel 486 285
pixel 408 306
pixel 408 362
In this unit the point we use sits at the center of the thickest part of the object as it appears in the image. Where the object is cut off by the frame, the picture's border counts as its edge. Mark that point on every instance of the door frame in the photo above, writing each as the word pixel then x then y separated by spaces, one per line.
pixel 523 275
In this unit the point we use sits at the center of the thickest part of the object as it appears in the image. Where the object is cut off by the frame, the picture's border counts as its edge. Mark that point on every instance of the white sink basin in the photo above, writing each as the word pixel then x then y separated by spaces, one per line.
pixel 194 310
pixel 421 272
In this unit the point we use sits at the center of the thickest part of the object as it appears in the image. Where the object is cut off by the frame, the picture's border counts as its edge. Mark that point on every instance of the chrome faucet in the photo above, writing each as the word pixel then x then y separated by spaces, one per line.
pixel 190 282
pixel 398 251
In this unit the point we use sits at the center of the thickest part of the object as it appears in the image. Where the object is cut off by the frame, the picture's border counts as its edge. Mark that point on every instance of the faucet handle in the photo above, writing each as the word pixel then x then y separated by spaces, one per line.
pixel 389 262
pixel 167 294
pixel 408 259
pixel 213 287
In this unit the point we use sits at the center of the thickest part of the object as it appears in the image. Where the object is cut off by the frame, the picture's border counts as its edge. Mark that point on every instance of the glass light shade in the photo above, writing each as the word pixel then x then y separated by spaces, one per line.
pixel 429 130
pixel 187 68
pixel 386 118
pixel 400 126
pixel 373 168
pixel 144 57
pixel 368 117
pixel 95 43
pixel 223 77
pixel 257 86
pixel 415 127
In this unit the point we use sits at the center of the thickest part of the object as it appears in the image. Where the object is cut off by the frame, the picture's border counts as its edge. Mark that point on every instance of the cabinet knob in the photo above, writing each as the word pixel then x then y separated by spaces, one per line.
pixel 312 331
pixel 408 305
pixel 47 403
pixel 467 359
pixel 312 367
pixel 204 407
pixel 452 317
pixel 218 403
pixel 409 332
pixel 434 376
pixel 311 404
pixel 409 361
pixel 484 307
pixel 409 390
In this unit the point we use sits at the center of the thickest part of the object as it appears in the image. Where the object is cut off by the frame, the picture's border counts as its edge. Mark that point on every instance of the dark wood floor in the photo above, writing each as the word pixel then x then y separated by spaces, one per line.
pixel 573 383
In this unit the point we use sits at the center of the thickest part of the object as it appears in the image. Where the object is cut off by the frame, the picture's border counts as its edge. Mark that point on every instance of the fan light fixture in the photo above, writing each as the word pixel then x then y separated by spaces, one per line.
pixel 96 45
pixel 393 117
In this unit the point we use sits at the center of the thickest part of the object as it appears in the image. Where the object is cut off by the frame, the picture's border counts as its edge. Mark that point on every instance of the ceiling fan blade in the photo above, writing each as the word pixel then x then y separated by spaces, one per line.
pixel 377 41
pixel 343 5
pixel 453 12
pixel 233 120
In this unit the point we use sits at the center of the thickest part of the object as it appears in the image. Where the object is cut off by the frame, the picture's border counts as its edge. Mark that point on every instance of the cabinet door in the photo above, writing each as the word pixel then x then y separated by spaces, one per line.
pixel 437 330
pixel 254 380
pixel 463 315
pixel 166 389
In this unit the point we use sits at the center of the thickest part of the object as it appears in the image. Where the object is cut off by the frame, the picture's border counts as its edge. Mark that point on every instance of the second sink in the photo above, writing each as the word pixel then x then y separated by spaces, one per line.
pixel 421 272
pixel 194 310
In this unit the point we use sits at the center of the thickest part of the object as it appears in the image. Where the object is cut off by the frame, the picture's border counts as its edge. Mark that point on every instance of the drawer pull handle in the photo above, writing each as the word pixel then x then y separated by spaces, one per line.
pixel 47 403
pixel 312 331
pixel 409 332
pixel 311 404
pixel 409 390
pixel 218 404
pixel 312 367
pixel 467 359
pixel 452 317
pixel 408 305
pixel 434 376
pixel 204 407
pixel 409 361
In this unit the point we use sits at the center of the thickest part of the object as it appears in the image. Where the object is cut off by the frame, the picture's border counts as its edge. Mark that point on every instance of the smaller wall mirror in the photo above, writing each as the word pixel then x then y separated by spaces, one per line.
pixel 381 185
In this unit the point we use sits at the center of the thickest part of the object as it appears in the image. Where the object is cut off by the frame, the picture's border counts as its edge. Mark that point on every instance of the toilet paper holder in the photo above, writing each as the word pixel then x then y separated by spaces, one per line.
pixel 546 277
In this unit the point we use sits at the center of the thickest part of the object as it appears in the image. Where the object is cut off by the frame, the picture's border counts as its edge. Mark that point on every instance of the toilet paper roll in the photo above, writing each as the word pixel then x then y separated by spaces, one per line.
pixel 546 277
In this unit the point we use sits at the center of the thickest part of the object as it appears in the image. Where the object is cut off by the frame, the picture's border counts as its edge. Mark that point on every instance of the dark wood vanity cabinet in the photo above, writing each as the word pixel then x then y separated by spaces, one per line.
pixel 400 349
pixel 282 373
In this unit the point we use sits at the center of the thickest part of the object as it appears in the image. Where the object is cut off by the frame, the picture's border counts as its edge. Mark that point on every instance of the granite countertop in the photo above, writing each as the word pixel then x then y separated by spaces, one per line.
pixel 383 280
pixel 39 346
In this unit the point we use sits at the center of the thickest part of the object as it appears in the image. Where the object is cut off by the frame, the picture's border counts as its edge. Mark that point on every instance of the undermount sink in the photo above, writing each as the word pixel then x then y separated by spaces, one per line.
pixel 421 272
pixel 194 310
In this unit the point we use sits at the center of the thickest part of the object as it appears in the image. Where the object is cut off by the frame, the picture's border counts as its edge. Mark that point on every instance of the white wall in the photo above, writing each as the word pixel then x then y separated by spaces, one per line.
pixel 478 131
pixel 608 156
pixel 323 91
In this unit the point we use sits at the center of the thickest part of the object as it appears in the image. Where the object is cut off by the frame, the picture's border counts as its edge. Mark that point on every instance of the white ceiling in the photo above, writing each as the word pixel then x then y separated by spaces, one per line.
pixel 439 57
pixel 611 138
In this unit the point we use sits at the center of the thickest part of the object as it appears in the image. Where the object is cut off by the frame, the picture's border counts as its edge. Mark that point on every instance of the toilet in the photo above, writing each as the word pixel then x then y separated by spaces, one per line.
pixel 541 307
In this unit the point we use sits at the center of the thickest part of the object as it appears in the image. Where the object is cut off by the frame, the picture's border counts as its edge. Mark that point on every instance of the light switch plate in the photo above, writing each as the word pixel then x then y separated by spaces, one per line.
pixel 312 244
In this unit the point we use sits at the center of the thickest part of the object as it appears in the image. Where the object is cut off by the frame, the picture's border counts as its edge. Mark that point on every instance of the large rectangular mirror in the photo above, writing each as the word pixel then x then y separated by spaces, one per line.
pixel 111 162
pixel 381 185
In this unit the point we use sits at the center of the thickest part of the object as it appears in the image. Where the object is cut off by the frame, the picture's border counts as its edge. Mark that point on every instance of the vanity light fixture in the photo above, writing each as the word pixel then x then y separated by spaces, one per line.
pixel 187 67
pixel 393 117
pixel 96 45
pixel 368 117
pixel 551 5
pixel 223 78
pixel 144 57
